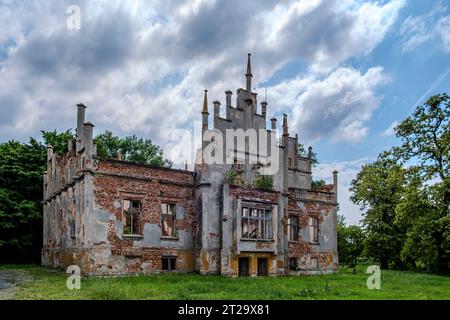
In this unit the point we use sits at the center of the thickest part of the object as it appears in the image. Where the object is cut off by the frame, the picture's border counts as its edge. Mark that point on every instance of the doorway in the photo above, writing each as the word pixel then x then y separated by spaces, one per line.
pixel 262 267
pixel 244 267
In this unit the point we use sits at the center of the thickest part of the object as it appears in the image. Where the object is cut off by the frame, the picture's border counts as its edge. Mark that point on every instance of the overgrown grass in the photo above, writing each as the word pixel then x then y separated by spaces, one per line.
pixel 347 284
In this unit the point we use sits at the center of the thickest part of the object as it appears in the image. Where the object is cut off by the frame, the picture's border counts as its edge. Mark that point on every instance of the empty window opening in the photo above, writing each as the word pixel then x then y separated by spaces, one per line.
pixel 169 263
pixel 168 220
pixel 132 215
pixel 313 230
pixel 293 228
pixel 293 264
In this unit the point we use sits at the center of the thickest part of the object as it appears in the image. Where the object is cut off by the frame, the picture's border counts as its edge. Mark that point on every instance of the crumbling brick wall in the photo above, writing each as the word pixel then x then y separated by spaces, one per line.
pixel 319 204
pixel 116 181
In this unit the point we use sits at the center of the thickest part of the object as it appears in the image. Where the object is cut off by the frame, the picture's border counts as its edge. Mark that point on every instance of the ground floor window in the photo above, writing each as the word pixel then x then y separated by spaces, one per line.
pixel 244 267
pixel 293 264
pixel 169 263
pixel 314 264
pixel 263 267
pixel 256 223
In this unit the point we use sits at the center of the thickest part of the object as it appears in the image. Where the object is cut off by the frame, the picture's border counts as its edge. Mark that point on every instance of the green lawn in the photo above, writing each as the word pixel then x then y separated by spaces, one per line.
pixel 347 284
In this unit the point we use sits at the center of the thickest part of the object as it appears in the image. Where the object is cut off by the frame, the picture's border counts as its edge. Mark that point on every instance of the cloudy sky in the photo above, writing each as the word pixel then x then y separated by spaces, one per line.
pixel 345 71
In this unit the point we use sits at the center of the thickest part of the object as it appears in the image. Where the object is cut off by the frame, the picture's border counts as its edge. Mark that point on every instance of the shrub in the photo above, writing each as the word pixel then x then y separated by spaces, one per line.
pixel 264 182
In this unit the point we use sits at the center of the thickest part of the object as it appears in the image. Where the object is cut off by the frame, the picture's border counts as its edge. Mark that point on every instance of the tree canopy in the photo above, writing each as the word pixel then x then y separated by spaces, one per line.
pixel 130 148
pixel 406 193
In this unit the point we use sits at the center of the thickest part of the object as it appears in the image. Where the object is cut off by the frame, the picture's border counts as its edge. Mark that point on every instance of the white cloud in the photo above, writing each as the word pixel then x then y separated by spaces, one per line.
pixel 337 106
pixel 389 132
pixel 416 31
pixel 142 67
pixel 443 29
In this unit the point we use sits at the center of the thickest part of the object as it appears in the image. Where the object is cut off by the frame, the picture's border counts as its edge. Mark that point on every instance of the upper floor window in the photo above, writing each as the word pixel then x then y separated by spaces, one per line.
pixel 132 211
pixel 293 228
pixel 168 219
pixel 256 223
pixel 314 230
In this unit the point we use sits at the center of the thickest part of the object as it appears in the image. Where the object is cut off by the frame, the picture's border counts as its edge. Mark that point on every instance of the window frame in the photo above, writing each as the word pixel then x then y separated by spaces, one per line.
pixel 293 264
pixel 316 267
pixel 169 260
pixel 173 218
pixel 313 225
pixel 132 211
pixel 262 223
pixel 292 232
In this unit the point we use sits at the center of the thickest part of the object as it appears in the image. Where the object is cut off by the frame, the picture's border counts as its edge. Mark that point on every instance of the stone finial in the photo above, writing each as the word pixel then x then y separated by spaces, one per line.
pixel 274 123
pixel 310 152
pixel 285 125
pixel 335 184
pixel 81 111
pixel 216 108
pixel 49 152
pixel 264 108
pixel 248 75
pixel 228 94
pixel 205 103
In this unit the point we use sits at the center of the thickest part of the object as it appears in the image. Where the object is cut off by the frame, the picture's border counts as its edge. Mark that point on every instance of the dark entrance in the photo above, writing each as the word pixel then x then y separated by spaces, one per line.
pixel 262 267
pixel 244 267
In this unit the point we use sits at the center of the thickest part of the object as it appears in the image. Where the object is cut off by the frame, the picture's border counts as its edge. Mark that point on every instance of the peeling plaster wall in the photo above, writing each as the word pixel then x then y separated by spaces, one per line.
pixel 115 181
pixel 67 205
pixel 321 205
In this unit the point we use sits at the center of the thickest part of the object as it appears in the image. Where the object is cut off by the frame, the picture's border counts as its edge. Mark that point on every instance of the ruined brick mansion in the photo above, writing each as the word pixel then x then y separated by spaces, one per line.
pixel 114 217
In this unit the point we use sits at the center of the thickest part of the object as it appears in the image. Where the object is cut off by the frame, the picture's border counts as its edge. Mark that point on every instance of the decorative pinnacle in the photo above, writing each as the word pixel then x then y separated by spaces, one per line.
pixel 249 65
pixel 285 120
pixel 205 102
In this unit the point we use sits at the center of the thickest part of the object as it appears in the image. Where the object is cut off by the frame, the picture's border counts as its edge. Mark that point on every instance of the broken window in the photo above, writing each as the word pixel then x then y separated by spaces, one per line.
pixel 293 264
pixel 293 228
pixel 313 230
pixel 169 263
pixel 314 264
pixel 132 214
pixel 289 162
pixel 168 219
pixel 256 223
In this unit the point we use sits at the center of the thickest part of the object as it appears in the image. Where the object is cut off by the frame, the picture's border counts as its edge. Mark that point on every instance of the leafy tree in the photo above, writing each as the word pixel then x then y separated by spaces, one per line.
pixel 350 242
pixel 21 170
pixel 264 182
pixel 58 141
pixel 317 183
pixel 378 188
pixel 130 148
pixel 302 152
pixel 425 144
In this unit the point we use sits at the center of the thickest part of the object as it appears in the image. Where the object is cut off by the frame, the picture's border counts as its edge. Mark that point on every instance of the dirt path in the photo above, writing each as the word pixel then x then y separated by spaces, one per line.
pixel 9 280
